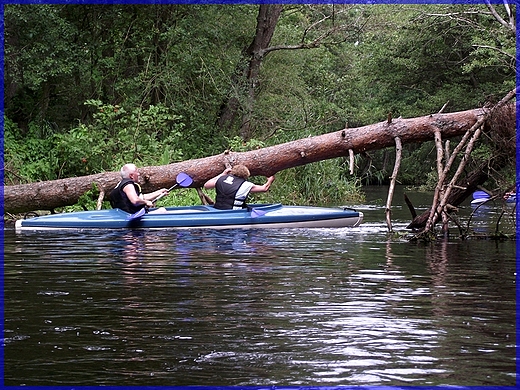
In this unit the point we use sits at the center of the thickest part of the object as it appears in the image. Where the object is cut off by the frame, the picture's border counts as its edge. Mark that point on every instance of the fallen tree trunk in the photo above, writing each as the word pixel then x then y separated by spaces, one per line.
pixel 473 180
pixel 501 123
pixel 262 162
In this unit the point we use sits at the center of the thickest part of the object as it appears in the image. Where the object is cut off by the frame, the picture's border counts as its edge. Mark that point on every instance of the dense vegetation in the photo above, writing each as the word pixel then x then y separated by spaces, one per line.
pixel 90 87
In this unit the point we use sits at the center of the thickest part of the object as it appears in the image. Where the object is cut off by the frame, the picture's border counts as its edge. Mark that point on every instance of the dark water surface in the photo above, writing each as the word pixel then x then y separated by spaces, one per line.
pixel 323 307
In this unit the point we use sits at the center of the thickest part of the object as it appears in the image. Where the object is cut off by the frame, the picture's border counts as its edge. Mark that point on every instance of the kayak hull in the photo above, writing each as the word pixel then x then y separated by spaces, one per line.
pixel 197 217
pixel 480 197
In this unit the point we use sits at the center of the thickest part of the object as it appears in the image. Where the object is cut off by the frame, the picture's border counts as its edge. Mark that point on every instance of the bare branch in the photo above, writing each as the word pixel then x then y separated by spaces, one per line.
pixel 511 25
pixel 496 49
pixel 310 45
pixel 397 165
pixel 322 39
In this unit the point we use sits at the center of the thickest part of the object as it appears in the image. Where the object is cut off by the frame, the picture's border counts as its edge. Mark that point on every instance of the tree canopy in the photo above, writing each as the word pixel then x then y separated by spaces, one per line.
pixel 90 87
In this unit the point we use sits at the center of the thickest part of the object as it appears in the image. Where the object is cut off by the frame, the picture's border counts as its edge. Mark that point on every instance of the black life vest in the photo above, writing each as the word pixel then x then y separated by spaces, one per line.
pixel 232 192
pixel 119 199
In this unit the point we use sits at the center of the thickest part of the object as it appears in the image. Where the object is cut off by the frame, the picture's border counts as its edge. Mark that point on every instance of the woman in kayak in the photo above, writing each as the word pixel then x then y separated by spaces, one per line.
pixel 232 187
pixel 129 197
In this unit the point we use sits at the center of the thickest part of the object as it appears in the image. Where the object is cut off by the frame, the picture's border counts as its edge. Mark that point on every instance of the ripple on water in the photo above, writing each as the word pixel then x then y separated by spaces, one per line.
pixel 295 307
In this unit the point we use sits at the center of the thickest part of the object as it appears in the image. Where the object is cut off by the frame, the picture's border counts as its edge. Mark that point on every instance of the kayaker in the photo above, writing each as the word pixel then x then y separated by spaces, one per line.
pixel 129 197
pixel 232 187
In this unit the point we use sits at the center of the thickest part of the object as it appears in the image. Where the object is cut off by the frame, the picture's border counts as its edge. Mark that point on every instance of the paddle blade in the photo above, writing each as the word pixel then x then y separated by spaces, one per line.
pixel 139 214
pixel 183 179
pixel 255 213
pixel 480 195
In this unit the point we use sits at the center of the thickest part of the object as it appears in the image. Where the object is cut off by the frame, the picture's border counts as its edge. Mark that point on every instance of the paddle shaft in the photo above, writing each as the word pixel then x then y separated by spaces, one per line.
pixel 166 193
pixel 182 179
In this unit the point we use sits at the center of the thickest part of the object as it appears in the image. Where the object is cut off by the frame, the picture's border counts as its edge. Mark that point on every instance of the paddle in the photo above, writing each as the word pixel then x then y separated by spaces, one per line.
pixel 480 195
pixel 139 214
pixel 255 213
pixel 182 179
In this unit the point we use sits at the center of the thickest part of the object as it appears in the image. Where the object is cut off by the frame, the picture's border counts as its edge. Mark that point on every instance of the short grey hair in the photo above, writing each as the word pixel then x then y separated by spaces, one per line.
pixel 127 170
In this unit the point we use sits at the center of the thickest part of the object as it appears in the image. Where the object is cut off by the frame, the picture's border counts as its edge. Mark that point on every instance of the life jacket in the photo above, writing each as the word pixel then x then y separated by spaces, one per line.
pixel 119 199
pixel 231 192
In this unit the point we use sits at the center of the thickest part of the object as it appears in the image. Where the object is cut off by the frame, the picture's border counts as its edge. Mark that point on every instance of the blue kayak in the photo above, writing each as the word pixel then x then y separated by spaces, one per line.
pixel 189 217
pixel 480 197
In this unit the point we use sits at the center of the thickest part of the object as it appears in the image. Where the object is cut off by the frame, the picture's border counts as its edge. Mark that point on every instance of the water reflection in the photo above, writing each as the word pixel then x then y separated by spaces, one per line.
pixel 491 217
pixel 310 307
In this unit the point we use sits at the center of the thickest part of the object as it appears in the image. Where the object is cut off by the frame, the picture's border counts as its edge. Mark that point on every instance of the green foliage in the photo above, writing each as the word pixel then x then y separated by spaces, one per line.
pixel 146 136
pixel 89 87
pixel 116 136
pixel 321 183
pixel 430 59
pixel 482 153
pixel 182 197
pixel 42 49
pixel 87 201
pixel 420 159
pixel 28 158
pixel 236 144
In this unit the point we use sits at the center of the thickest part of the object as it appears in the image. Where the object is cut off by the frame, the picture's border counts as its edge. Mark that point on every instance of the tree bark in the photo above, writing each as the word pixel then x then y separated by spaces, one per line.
pixel 266 21
pixel 473 180
pixel 393 179
pixel 500 120
pixel 262 162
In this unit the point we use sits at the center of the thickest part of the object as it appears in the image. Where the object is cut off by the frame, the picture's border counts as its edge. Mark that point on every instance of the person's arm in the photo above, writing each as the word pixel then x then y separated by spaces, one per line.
pixel 263 188
pixel 212 182
pixel 134 198
pixel 153 195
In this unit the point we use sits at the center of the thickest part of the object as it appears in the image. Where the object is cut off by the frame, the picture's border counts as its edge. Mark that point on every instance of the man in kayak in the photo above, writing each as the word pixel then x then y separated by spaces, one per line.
pixel 127 194
pixel 232 187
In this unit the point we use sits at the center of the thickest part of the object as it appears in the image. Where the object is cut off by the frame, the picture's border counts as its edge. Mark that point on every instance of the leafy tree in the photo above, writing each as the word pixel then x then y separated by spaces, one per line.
pixel 428 58
pixel 162 74
pixel 39 56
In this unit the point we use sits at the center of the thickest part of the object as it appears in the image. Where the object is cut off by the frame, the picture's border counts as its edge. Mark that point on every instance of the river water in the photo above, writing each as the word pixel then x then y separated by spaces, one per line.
pixel 288 307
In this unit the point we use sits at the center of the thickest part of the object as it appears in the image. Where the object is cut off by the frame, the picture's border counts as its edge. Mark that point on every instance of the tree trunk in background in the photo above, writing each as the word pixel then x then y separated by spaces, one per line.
pixel 262 162
pixel 246 78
